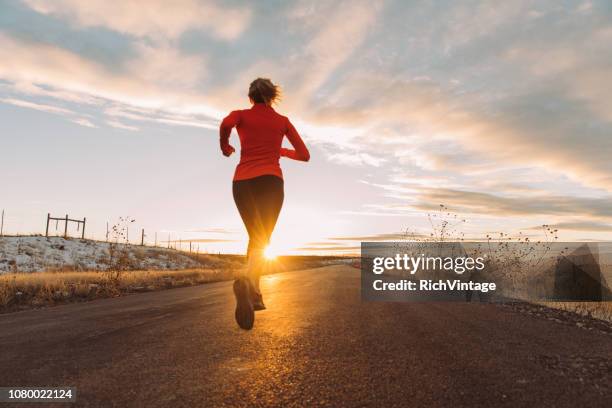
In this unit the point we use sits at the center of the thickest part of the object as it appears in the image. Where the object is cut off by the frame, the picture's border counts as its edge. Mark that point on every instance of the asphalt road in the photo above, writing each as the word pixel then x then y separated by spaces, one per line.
pixel 316 345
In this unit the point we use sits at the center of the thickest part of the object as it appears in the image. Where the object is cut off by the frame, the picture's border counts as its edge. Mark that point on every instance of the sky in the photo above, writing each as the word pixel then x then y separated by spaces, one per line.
pixel 500 111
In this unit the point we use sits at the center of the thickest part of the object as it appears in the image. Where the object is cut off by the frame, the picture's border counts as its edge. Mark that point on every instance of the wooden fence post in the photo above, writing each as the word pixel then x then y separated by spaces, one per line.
pixel 142 238
pixel 66 228
pixel 47 230
pixel 83 232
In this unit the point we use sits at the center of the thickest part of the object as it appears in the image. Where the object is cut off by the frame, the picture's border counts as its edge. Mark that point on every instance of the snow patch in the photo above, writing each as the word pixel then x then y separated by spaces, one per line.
pixel 37 253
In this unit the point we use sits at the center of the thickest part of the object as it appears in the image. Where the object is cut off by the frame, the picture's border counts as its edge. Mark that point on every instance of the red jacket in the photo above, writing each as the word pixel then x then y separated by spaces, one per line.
pixel 261 131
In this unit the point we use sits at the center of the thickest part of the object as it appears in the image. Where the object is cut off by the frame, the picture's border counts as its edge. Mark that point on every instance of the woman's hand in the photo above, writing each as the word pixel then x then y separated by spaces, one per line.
pixel 228 150
pixel 299 151
pixel 293 154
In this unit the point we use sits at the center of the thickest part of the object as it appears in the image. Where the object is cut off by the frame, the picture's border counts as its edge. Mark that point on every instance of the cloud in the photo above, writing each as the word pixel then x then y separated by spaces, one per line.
pixel 322 243
pixel 328 34
pixel 84 122
pixel 154 77
pixel 578 226
pixel 33 62
pixel 37 90
pixel 581 71
pixel 521 134
pixel 356 159
pixel 151 18
pixel 520 103
pixel 375 237
pixel 339 31
pixel 333 32
pixel 71 115
pixel 37 106
pixel 525 205
pixel 162 86
pixel 120 125
pixel 159 116
pixel 339 248
pixel 166 67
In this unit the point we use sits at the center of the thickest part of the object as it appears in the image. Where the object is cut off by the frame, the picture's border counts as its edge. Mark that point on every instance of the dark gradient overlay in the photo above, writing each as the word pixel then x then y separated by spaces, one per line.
pixel 536 271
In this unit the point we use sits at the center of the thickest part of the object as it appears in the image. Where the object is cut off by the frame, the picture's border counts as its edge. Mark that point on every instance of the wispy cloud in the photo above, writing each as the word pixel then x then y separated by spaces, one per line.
pixel 71 74
pixel 37 106
pixel 327 249
pixel 36 90
pixel 337 30
pixel 153 19
pixel 84 122
pixel 71 115
pixel 375 237
pixel 120 125
pixel 474 202
pixel 159 116
pixel 578 226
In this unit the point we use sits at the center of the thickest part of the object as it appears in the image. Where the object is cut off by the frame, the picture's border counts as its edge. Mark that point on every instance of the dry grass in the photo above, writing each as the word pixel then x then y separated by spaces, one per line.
pixel 26 290
pixel 597 310
pixel 29 290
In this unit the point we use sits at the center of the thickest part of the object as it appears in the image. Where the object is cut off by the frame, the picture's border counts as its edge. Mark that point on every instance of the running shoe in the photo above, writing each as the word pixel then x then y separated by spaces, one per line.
pixel 257 300
pixel 245 315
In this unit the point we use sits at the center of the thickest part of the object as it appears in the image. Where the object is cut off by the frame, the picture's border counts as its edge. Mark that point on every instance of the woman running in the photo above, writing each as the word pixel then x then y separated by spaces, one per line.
pixel 258 183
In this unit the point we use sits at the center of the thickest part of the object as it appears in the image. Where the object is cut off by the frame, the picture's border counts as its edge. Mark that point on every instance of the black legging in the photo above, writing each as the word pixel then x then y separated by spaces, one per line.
pixel 259 201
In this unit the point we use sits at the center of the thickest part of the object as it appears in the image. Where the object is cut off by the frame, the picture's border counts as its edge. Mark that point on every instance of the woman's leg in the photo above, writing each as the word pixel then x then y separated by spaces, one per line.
pixel 259 201
pixel 245 202
pixel 269 196
pixel 243 289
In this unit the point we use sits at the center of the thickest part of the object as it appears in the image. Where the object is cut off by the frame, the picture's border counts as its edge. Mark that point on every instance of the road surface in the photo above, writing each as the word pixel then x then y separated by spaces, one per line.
pixel 316 345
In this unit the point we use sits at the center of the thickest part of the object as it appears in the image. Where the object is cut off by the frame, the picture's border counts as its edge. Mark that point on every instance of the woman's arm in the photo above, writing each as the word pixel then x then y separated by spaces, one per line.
pixel 225 130
pixel 299 151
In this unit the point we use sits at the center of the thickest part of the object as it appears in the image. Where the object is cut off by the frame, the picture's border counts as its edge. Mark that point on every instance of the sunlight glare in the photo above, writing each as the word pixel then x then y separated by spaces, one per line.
pixel 270 253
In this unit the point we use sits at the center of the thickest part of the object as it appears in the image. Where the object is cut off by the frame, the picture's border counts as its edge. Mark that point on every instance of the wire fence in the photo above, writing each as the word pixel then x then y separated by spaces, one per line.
pixel 67 227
